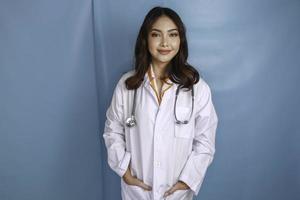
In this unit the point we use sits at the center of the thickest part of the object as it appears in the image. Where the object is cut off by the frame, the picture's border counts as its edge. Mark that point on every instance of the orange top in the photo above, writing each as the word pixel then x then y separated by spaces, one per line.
pixel 167 83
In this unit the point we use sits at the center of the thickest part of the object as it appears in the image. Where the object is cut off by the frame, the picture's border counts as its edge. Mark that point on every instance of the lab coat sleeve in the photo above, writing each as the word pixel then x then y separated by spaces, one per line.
pixel 114 134
pixel 203 150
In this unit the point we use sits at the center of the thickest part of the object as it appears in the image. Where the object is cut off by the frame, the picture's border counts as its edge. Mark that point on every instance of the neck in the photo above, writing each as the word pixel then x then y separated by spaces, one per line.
pixel 159 69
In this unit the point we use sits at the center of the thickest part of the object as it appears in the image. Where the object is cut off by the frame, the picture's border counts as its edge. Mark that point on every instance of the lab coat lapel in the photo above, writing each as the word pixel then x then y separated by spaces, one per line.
pixel 147 86
pixel 168 94
pixel 168 98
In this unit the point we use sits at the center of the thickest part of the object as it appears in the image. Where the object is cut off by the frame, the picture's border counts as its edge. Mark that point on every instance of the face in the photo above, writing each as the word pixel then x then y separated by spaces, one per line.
pixel 163 40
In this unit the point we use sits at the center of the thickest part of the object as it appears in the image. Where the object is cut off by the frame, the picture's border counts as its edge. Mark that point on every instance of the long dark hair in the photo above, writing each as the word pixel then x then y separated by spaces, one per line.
pixel 178 69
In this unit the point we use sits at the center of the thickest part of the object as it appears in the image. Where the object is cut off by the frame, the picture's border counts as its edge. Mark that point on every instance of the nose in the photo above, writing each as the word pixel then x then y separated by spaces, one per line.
pixel 164 41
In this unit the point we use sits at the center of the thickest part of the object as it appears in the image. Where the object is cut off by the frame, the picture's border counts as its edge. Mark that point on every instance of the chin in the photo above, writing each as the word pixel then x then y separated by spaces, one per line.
pixel 165 60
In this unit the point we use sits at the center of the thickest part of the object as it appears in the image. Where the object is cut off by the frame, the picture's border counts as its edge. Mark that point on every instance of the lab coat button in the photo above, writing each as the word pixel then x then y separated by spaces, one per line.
pixel 157 163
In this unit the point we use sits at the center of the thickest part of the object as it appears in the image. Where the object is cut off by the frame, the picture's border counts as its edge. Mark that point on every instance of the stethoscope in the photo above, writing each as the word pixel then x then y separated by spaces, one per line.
pixel 131 122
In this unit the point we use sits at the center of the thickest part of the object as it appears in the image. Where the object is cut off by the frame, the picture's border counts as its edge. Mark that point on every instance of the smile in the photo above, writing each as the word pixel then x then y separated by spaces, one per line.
pixel 164 52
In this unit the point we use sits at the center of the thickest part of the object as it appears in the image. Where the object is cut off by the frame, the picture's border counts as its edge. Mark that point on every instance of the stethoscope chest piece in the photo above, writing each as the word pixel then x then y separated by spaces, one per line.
pixel 130 121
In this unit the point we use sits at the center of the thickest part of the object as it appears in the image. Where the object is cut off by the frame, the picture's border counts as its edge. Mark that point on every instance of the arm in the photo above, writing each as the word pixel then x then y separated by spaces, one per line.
pixel 114 136
pixel 203 150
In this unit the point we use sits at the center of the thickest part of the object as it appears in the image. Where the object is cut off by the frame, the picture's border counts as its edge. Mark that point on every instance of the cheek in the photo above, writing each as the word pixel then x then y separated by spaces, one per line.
pixel 151 49
pixel 152 45
pixel 176 45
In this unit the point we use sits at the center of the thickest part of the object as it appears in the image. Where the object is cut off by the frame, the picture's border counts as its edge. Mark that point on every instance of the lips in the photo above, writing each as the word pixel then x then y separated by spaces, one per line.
pixel 164 52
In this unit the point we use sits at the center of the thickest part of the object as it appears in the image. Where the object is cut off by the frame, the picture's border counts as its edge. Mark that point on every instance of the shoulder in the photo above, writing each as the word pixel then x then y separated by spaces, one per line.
pixel 124 76
pixel 202 89
pixel 127 74
pixel 202 85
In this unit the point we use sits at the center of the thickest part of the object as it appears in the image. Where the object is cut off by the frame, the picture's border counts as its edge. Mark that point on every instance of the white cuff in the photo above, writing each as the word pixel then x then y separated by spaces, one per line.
pixel 124 163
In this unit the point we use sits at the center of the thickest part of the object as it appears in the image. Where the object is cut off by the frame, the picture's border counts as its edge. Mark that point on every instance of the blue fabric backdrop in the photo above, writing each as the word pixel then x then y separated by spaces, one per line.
pixel 61 59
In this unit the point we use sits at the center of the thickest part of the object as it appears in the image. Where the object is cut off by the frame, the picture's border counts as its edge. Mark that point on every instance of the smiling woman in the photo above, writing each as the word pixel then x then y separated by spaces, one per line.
pixel 160 138
pixel 163 42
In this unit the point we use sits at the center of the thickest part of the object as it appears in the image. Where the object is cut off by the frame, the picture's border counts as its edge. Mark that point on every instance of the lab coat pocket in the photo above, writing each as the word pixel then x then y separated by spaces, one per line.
pixel 181 195
pixel 184 130
pixel 133 192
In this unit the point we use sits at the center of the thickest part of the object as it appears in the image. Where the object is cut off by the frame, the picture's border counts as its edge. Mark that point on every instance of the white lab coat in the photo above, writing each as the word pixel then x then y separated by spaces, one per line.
pixel 161 152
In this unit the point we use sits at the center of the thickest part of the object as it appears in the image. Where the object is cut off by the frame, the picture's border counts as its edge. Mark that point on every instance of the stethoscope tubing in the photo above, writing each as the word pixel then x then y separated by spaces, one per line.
pixel 131 121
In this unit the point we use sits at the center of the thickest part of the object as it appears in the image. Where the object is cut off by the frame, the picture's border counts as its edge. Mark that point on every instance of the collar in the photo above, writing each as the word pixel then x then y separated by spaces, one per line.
pixel 150 75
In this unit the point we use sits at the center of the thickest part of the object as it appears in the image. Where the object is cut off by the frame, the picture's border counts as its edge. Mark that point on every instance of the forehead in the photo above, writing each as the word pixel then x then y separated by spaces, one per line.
pixel 164 22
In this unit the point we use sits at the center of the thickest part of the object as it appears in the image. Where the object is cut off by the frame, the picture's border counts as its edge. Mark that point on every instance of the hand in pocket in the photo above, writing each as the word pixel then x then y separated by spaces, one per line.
pixel 133 180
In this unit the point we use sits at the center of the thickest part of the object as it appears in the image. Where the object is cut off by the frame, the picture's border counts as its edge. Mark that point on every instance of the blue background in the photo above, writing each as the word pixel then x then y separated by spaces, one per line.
pixel 61 59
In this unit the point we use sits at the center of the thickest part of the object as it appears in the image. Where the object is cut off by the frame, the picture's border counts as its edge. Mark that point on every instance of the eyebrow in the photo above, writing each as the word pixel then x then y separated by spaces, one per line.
pixel 174 29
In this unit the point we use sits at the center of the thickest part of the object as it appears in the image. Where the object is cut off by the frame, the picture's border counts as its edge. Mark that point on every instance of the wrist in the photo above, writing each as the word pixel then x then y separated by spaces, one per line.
pixel 185 185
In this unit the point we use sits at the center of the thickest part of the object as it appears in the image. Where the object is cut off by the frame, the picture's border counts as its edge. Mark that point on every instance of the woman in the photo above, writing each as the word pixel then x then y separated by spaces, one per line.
pixel 161 144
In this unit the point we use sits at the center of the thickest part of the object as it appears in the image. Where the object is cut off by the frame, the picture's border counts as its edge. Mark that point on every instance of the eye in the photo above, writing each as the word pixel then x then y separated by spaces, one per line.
pixel 154 35
pixel 173 34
